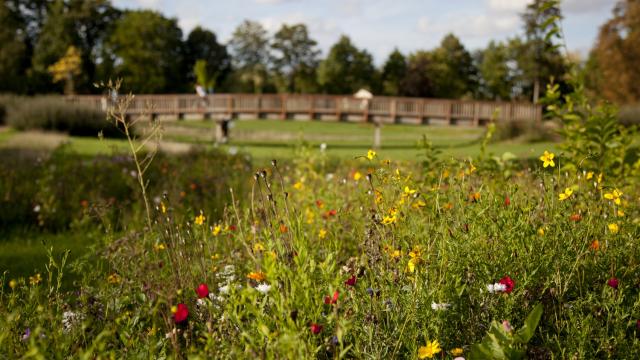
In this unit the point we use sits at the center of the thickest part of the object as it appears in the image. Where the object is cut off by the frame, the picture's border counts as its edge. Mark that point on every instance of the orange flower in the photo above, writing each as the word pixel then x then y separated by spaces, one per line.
pixel 595 245
pixel 283 228
pixel 256 275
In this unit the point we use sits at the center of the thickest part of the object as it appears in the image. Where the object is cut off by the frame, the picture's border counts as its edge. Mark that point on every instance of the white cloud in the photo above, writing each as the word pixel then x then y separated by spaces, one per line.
pixel 507 5
pixel 587 6
pixel 272 2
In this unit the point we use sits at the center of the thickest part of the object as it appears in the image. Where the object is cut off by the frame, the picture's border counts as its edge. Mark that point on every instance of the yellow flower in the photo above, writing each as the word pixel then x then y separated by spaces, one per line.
pixel 158 247
pixel 416 258
pixel 357 175
pixel 614 195
pixel 620 213
pixel 258 247
pixel 456 352
pixel 472 169
pixel 113 279
pixel 174 309
pixel 378 197
pixel 613 228
pixel 409 191
pixel 430 350
pixel 589 175
pixel 565 195
pixel 418 204
pixel 216 230
pixel 200 219
pixel 13 284
pixel 257 276
pixel 389 220
pixel 371 154
pixel 298 186
pixel 322 233
pixel 547 159
pixel 163 208
pixel 35 280
pixel 541 232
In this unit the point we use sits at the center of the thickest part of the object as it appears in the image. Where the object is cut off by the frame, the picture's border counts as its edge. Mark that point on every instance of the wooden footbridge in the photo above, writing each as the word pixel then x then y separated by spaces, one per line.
pixel 379 109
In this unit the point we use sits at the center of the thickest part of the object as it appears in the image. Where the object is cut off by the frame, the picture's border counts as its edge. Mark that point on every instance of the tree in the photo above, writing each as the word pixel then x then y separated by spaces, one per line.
pixel 455 73
pixel 148 52
pixel 57 35
pixel 417 80
pixel 496 74
pixel 394 71
pixel 537 58
pixel 208 58
pixel 295 57
pixel 66 69
pixel 346 69
pixel 13 52
pixel 616 54
pixel 249 47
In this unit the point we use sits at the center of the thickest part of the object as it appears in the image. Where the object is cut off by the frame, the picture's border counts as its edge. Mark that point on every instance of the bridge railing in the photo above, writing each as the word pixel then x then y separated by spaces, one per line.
pixel 325 107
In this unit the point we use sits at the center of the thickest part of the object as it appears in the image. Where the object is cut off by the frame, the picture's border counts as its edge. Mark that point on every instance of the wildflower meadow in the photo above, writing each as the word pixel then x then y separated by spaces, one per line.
pixel 207 255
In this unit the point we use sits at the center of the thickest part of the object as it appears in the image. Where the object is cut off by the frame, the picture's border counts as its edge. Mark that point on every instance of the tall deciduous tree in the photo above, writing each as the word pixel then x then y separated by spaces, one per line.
pixel 496 74
pixel 249 47
pixel 537 58
pixel 617 54
pixel 13 51
pixel 455 74
pixel 203 52
pixel 148 52
pixel 418 80
pixel 295 58
pixel 394 71
pixel 347 69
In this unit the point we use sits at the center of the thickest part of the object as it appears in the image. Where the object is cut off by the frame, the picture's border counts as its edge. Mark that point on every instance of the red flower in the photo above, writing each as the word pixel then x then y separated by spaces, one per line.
pixel 319 204
pixel 316 329
pixel 202 290
pixel 181 314
pixel 507 201
pixel 330 213
pixel 575 217
pixel 331 300
pixel 232 228
pixel 351 281
pixel 508 283
pixel 613 282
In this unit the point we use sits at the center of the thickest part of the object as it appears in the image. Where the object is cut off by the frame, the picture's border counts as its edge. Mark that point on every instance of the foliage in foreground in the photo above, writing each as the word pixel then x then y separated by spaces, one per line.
pixel 370 261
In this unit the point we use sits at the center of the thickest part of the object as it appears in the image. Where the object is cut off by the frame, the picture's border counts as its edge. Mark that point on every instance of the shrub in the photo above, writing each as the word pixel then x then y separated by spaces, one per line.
pixel 52 113
pixel 526 131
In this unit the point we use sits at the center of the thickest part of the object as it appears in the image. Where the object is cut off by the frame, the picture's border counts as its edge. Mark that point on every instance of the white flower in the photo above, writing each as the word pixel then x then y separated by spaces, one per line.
pixel 323 147
pixel 440 307
pixel 496 288
pixel 329 176
pixel 263 288
pixel 200 302
pixel 233 150
pixel 36 208
pixel 70 320
pixel 224 289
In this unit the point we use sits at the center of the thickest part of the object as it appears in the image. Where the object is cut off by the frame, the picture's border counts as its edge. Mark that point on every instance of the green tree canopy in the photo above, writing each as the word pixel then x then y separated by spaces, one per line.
pixel 495 73
pixel 249 47
pixel 148 52
pixel 202 47
pixel 346 69
pixel 394 71
pixel 295 57
pixel 13 51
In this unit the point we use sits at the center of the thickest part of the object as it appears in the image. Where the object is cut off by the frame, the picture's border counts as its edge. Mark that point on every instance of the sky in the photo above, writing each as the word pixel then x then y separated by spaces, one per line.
pixel 382 25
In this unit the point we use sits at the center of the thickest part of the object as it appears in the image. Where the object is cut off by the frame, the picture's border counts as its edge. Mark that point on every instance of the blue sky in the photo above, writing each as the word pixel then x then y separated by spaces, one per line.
pixel 381 25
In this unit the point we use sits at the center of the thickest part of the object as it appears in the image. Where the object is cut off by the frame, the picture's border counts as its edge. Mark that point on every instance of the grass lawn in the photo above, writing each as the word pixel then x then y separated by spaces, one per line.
pixel 24 254
pixel 266 139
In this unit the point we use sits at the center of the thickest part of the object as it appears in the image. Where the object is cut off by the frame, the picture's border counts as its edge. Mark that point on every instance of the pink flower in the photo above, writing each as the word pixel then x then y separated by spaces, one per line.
pixel 202 290
pixel 331 300
pixel 613 282
pixel 316 329
pixel 508 283
pixel 181 314
pixel 351 281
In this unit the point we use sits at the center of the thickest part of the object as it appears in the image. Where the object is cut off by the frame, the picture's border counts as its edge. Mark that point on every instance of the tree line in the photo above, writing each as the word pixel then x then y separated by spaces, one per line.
pixel 68 45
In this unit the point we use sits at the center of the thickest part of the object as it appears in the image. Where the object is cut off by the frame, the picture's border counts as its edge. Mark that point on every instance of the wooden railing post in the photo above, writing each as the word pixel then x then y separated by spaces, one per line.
pixel 449 112
pixel 476 113
pixel 393 110
pixel 283 107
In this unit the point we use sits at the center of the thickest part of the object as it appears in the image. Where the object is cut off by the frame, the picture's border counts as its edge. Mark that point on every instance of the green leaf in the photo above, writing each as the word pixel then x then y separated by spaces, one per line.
pixel 525 333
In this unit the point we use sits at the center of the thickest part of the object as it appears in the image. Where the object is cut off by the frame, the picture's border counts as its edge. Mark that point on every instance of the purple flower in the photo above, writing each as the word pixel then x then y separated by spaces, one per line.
pixel 26 335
